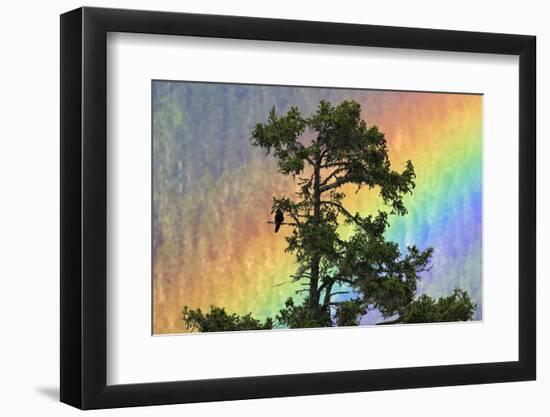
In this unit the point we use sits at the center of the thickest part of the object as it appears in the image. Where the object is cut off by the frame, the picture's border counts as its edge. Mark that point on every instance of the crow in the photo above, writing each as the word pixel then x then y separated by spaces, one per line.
pixel 279 218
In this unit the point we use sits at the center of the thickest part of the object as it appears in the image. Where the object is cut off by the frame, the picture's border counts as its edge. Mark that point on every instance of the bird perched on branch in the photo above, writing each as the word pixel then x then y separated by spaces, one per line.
pixel 279 218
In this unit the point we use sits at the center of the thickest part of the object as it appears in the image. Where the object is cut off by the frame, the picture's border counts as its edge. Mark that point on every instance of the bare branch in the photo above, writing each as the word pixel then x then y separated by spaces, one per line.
pixel 338 292
pixel 282 283
pixel 283 223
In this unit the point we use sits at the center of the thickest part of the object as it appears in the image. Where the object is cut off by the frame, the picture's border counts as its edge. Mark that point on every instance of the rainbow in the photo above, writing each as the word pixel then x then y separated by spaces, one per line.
pixel 222 251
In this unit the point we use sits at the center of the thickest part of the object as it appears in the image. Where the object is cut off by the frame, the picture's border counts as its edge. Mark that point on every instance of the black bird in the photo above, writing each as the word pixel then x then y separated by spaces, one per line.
pixel 279 218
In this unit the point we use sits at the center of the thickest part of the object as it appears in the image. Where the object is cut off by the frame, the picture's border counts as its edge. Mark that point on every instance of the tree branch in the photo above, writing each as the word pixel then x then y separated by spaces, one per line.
pixel 283 223
pixel 347 281
pixel 343 210
pixel 338 292
pixel 334 164
pixel 332 174
pixel 328 286
pixel 311 162
pixel 295 217
pixel 340 181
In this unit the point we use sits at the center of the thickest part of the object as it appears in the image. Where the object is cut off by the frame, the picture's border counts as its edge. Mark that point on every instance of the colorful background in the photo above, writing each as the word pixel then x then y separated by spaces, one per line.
pixel 212 193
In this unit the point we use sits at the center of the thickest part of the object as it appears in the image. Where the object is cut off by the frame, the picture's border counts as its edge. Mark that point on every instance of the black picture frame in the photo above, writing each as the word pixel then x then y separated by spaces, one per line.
pixel 84 207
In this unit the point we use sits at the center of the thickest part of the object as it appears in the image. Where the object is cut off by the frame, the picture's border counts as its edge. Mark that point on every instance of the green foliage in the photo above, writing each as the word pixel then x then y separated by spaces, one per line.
pixel 300 316
pixel 217 320
pixel 355 154
pixel 456 307
pixel 348 313
pixel 279 137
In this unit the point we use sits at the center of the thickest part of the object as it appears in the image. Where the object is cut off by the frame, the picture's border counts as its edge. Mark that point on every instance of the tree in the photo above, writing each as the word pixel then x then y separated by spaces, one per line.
pixel 457 307
pixel 326 152
pixel 217 319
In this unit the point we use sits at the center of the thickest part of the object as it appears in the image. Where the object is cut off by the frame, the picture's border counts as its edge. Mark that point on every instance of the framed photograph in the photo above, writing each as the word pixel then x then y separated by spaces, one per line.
pixel 257 208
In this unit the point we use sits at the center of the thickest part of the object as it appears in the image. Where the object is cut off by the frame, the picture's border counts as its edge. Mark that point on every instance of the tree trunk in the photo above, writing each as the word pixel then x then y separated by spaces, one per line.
pixel 316 259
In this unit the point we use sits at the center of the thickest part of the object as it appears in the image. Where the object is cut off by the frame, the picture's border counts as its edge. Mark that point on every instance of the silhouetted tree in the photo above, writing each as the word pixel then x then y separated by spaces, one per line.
pixel 217 320
pixel 332 149
pixel 457 307
pixel 325 152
